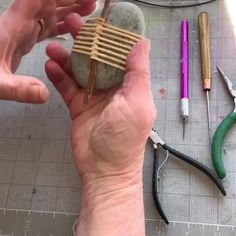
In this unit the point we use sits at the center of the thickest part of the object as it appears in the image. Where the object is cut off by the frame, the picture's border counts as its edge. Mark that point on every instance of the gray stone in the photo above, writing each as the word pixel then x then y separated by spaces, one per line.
pixel 124 15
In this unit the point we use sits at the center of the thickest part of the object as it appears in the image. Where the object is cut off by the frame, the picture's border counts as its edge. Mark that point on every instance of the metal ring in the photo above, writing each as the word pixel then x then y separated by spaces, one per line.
pixel 42 25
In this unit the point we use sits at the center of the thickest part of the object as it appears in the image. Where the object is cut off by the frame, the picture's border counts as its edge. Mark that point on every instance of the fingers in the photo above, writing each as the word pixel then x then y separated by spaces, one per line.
pixel 86 1
pixel 23 89
pixel 82 10
pixel 60 55
pixel 57 53
pixel 86 9
pixel 63 3
pixel 62 12
pixel 62 82
pixel 73 23
pixel 72 94
pixel 59 29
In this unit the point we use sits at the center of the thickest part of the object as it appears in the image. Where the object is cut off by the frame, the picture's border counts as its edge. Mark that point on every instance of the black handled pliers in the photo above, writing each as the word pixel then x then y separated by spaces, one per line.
pixel 157 141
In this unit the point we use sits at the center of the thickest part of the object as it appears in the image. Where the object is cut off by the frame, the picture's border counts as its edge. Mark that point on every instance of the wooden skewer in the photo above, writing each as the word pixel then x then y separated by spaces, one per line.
pixel 100 47
pixel 93 69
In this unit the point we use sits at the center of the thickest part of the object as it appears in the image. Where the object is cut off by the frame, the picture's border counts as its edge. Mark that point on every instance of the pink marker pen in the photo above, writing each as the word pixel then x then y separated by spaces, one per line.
pixel 184 106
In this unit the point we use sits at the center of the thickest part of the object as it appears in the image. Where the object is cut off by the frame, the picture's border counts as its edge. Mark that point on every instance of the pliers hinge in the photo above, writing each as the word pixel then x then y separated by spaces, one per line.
pixel 156 139
pixel 234 105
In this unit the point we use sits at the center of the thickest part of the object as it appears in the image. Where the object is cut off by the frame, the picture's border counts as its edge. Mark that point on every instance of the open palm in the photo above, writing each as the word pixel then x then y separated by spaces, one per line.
pixel 109 137
pixel 20 31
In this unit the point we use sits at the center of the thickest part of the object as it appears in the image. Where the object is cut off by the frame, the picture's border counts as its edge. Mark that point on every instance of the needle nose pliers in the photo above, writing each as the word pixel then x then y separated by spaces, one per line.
pixel 157 142
pixel 222 130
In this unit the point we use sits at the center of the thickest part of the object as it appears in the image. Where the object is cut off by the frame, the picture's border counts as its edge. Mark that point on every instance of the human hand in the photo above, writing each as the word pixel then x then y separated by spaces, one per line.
pixel 114 129
pixel 20 31
pixel 108 141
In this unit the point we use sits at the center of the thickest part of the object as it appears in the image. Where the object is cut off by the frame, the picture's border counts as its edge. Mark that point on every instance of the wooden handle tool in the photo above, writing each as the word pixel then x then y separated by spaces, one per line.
pixel 205 49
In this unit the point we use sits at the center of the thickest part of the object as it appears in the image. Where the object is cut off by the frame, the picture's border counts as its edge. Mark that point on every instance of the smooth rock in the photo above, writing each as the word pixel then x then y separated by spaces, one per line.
pixel 124 15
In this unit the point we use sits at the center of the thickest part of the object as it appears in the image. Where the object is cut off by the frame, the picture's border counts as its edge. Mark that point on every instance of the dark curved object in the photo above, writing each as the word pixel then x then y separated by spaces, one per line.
pixel 198 165
pixel 154 187
pixel 171 6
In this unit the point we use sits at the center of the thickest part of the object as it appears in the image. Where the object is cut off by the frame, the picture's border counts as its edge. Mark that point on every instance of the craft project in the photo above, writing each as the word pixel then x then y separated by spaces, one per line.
pixel 103 44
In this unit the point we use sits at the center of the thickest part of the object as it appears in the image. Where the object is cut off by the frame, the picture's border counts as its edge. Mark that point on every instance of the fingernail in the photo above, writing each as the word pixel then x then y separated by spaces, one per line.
pixel 44 94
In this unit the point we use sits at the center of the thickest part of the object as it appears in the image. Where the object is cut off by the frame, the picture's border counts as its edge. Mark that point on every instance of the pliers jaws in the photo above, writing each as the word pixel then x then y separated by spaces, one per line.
pixel 222 130
pixel 228 82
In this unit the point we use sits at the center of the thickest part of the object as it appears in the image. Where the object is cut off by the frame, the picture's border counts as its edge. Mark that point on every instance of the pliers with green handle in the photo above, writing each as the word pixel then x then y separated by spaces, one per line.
pixel 222 130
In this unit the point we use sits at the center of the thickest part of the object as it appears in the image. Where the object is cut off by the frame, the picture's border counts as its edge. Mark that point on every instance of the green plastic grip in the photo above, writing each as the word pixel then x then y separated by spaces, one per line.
pixel 217 143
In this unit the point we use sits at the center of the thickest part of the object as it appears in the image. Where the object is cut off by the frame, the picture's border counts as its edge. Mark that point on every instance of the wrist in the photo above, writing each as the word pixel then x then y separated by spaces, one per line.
pixel 103 193
pixel 103 182
pixel 112 205
pixel 117 212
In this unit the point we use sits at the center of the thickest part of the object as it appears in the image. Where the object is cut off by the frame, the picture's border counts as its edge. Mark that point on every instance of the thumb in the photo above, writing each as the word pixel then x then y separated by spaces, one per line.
pixel 23 89
pixel 136 87
pixel 138 59
pixel 137 78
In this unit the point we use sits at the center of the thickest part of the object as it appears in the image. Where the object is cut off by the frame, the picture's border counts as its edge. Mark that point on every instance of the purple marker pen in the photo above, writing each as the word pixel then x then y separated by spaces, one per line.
pixel 184 107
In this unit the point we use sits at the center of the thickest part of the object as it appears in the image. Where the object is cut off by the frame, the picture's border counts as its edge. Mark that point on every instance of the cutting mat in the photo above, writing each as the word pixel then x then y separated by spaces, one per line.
pixel 36 165
pixel 29 223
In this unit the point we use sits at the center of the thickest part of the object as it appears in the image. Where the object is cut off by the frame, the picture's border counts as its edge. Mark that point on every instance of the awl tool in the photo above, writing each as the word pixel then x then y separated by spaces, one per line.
pixel 184 107
pixel 205 51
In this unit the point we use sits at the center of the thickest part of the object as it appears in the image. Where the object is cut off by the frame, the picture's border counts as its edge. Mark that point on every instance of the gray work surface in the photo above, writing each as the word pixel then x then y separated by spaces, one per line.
pixel 34 139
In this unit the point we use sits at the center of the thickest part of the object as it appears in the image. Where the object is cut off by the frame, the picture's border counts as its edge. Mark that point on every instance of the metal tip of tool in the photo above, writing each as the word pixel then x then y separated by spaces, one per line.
pixel 184 123
pixel 208 116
